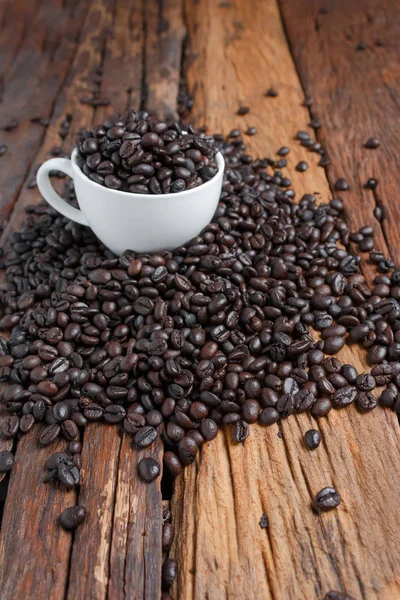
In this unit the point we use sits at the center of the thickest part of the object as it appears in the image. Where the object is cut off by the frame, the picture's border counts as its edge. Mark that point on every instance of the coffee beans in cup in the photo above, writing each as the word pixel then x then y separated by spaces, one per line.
pixel 140 154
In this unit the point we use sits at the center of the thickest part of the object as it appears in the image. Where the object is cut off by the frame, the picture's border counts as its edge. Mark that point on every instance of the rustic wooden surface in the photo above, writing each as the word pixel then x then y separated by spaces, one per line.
pixel 51 53
pixel 355 95
pixel 222 551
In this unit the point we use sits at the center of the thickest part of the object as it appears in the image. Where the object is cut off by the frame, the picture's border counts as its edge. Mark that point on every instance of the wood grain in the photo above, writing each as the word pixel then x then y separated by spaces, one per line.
pixel 34 549
pixel 31 86
pixel 220 547
pixel 89 571
pixel 124 522
pixel 136 557
pixel 355 96
pixel 23 504
pixel 164 37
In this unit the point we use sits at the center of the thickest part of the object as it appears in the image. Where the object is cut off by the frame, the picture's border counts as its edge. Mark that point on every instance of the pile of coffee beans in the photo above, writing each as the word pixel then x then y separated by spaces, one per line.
pixel 143 155
pixel 220 332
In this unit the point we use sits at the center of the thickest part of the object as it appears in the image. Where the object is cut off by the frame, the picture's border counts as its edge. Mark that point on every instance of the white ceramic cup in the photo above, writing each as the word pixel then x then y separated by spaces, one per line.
pixel 144 223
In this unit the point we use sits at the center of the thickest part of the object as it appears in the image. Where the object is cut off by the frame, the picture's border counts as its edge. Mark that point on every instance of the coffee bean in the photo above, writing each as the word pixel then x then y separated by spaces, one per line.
pixel 6 461
pixel 366 401
pixel 301 166
pixel 172 463
pixel 372 143
pixel 333 344
pixel 327 498
pixel 208 429
pixel 341 185
pixel 168 533
pixel 68 474
pixel 268 416
pixel 168 573
pixel 312 439
pixel 239 431
pixel 321 407
pixel 344 396
pixel 49 434
pixel 264 521
pixel 145 436
pixel 72 517
pixel 149 469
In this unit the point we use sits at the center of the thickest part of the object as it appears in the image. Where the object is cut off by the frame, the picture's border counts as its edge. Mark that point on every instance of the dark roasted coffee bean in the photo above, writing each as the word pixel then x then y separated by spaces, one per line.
pixel 133 422
pixel 285 405
pixel 167 536
pixel 239 431
pixel 149 469
pixel 268 416
pixel 312 439
pixel 168 573
pixel 72 517
pixel 321 407
pixel 6 461
pixel 145 436
pixel 333 344
pixel 172 463
pixel 26 423
pixel 69 430
pixel 341 185
pixel 187 450
pixel 365 382
pixel 372 143
pixel 344 396
pixel 49 434
pixel 68 474
pixel 327 498
pixel 366 401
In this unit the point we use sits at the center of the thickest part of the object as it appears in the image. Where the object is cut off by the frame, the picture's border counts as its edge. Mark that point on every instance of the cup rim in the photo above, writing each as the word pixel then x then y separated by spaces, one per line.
pixel 220 163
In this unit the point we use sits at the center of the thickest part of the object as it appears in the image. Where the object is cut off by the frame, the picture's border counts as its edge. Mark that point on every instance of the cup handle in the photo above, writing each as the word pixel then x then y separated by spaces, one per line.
pixel 51 196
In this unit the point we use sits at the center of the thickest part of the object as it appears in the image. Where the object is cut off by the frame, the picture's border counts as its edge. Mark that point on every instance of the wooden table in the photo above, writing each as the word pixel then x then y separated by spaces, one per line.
pixel 229 52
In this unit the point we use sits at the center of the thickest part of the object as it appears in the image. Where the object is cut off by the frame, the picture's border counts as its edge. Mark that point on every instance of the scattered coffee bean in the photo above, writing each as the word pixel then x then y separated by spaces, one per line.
pixel 301 166
pixel 243 110
pixel 372 143
pixel 372 183
pixel 341 185
pixel 6 461
pixel 72 517
pixel 271 93
pixel 327 498
pixel 149 469
pixel 264 522
pixel 312 439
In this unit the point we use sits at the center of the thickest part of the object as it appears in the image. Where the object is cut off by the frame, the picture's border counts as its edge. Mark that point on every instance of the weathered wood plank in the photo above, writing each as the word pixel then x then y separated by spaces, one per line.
pixel 34 549
pixel 122 69
pixel 136 556
pixel 355 96
pixel 15 18
pixel 219 545
pixel 31 87
pixel 52 549
pixel 89 572
pixel 164 37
